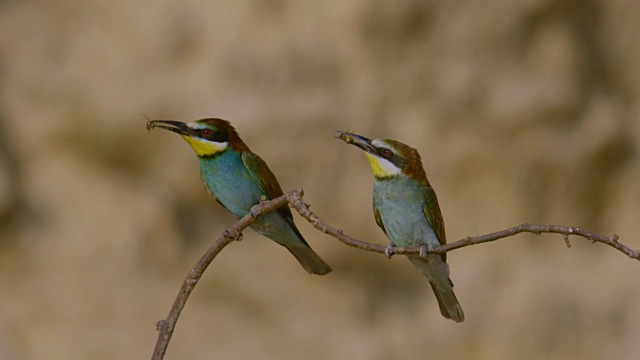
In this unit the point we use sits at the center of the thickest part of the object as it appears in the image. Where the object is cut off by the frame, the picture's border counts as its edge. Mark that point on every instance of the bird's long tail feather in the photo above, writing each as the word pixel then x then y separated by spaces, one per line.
pixel 309 260
pixel 437 271
pixel 449 306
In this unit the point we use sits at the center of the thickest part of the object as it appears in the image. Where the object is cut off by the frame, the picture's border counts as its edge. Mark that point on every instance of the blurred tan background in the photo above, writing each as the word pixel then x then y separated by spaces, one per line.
pixel 523 111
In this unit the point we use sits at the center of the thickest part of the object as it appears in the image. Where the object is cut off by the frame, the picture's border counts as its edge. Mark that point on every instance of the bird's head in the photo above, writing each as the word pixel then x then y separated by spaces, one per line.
pixel 388 157
pixel 207 137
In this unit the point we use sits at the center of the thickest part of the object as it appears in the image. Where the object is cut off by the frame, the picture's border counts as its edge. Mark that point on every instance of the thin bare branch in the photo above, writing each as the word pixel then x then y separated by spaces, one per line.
pixel 296 201
pixel 166 327
pixel 294 198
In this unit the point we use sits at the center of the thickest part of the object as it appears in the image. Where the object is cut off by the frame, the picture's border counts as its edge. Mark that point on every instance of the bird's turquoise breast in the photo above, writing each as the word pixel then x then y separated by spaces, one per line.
pixel 400 201
pixel 226 177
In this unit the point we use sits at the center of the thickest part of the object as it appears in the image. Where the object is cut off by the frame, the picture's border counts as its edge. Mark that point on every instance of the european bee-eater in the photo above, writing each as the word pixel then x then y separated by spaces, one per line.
pixel 237 178
pixel 405 206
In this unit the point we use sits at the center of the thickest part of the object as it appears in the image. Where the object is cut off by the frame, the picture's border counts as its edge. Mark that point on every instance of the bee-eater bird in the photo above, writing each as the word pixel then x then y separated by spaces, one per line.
pixel 405 206
pixel 237 178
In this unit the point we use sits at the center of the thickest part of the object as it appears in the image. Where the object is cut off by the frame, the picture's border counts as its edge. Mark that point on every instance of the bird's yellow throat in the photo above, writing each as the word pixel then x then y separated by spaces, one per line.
pixel 204 147
pixel 382 167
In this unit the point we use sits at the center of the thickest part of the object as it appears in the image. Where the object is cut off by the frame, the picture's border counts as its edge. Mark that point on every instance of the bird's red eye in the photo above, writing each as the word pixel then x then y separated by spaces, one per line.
pixel 206 132
pixel 386 152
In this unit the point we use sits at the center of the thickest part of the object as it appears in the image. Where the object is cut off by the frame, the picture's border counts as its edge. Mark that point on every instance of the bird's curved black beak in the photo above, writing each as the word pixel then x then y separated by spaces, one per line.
pixel 357 140
pixel 177 127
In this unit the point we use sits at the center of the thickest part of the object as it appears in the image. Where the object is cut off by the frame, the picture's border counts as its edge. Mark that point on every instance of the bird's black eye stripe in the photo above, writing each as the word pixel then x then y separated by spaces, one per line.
pixel 385 153
pixel 214 135
pixel 395 159
pixel 398 161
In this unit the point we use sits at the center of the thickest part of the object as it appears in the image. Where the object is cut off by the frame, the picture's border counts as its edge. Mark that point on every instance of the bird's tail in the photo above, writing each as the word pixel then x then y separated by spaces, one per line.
pixel 437 271
pixel 309 260
pixel 449 306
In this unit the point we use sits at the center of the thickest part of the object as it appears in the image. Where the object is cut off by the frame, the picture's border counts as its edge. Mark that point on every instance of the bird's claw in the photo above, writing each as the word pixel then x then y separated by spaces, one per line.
pixel 254 212
pixel 423 251
pixel 388 251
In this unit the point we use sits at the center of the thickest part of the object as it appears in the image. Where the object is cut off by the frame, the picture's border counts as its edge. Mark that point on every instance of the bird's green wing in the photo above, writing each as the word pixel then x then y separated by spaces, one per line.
pixel 376 214
pixel 432 212
pixel 264 178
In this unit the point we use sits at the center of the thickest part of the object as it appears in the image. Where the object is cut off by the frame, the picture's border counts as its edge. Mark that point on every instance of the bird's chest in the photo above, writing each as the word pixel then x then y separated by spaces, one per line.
pixel 230 182
pixel 400 205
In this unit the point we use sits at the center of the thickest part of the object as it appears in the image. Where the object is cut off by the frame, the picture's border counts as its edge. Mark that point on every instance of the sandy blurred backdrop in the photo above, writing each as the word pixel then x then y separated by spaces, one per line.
pixel 523 111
